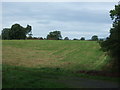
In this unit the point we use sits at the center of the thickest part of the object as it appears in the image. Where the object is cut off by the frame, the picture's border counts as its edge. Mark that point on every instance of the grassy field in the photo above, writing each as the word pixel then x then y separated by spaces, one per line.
pixel 69 55
pixel 39 63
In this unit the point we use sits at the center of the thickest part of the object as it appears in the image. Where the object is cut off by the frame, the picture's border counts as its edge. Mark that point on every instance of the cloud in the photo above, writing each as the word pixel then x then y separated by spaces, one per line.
pixel 72 19
pixel 59 0
pixel 86 12
pixel 43 22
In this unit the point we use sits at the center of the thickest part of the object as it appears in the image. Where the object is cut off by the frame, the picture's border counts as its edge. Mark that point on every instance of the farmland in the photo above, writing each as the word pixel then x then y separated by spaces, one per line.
pixel 25 61
pixel 72 55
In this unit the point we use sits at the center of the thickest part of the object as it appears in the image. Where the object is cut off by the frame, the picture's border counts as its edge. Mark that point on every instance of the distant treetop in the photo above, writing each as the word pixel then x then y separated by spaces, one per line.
pixel 16 32
pixel 55 35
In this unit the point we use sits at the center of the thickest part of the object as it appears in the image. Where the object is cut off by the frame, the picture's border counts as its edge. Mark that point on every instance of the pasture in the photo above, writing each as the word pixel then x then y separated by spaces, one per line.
pixel 68 55
pixel 44 63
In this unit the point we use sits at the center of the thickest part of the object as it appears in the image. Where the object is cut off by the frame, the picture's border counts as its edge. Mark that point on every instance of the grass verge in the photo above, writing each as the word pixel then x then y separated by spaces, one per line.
pixel 24 77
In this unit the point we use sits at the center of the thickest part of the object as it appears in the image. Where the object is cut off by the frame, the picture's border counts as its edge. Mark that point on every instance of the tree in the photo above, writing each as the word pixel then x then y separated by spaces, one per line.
pixel 41 38
pixel 44 39
pixel 112 43
pixel 82 38
pixel 5 33
pixel 94 38
pixel 16 32
pixel 29 36
pixel 66 38
pixel 55 35
pixel 75 39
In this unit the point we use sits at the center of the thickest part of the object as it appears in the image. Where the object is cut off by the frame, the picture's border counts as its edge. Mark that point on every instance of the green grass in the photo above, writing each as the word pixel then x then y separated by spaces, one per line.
pixel 41 63
pixel 69 55
pixel 24 77
pixel 21 77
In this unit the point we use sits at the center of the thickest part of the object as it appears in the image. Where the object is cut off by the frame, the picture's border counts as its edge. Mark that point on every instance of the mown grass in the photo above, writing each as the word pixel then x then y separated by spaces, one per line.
pixel 69 55
pixel 40 63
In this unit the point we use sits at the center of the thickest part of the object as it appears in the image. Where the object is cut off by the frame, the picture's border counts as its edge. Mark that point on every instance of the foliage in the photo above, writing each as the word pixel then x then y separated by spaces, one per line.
pixel 29 36
pixel 94 38
pixel 112 43
pixel 41 38
pixel 55 35
pixel 66 38
pixel 15 32
pixel 5 33
pixel 82 38
pixel 75 39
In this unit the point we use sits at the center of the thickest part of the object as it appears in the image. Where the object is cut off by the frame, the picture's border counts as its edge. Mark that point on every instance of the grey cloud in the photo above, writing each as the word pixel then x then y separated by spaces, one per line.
pixel 58 12
pixel 78 18
pixel 43 22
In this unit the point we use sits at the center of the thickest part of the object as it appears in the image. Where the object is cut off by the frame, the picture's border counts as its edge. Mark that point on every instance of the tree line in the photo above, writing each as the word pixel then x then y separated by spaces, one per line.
pixel 112 44
pixel 19 32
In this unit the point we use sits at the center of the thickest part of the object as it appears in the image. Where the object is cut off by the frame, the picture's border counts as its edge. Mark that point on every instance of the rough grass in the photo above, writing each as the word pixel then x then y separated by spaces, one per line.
pixel 68 55
pixel 21 77
pixel 24 77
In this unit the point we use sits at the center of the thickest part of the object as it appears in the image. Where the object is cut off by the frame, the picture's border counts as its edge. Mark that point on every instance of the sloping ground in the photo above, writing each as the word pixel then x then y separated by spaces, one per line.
pixel 69 55
pixel 50 60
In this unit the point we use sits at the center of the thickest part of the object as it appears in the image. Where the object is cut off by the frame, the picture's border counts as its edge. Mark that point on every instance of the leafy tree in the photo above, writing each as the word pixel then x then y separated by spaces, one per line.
pixel 16 32
pixel 66 38
pixel 55 35
pixel 35 38
pixel 82 38
pixel 44 38
pixel 29 36
pixel 75 39
pixel 112 43
pixel 5 33
pixel 41 38
pixel 94 38
pixel 101 39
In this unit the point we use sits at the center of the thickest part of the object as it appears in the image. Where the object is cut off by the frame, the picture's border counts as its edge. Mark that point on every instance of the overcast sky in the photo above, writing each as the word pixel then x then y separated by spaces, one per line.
pixel 73 19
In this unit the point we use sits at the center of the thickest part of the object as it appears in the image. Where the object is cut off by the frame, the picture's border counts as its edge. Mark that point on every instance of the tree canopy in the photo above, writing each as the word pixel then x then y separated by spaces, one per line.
pixel 112 43
pixel 82 38
pixel 66 38
pixel 94 38
pixel 16 32
pixel 55 35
